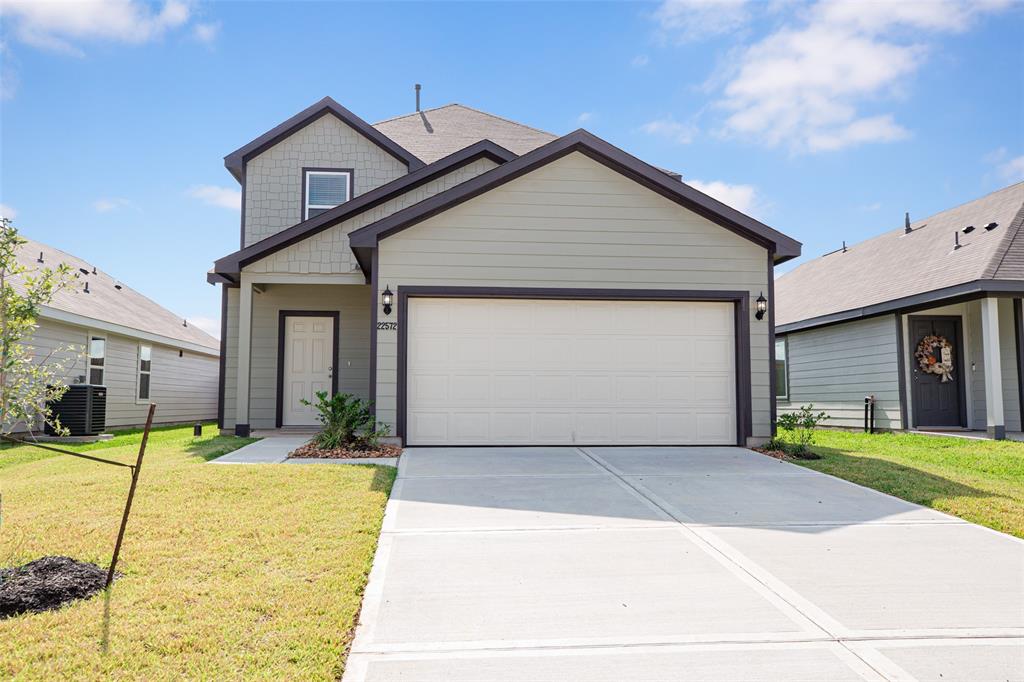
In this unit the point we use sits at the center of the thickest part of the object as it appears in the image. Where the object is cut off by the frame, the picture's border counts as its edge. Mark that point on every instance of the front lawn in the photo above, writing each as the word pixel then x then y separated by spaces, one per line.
pixel 230 571
pixel 978 480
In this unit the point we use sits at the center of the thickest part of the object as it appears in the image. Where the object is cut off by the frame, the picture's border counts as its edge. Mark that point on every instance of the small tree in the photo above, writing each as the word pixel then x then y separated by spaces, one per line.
pixel 27 383
pixel 802 425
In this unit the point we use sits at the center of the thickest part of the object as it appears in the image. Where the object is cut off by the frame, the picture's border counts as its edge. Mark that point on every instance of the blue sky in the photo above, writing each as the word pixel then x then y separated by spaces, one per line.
pixel 825 120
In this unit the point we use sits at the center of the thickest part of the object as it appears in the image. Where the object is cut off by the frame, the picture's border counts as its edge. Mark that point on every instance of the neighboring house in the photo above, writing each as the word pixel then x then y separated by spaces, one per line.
pixel 850 323
pixel 114 336
pixel 483 282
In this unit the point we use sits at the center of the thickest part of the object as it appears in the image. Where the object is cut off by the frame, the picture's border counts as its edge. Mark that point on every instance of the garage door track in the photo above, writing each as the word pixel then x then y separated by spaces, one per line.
pixel 621 564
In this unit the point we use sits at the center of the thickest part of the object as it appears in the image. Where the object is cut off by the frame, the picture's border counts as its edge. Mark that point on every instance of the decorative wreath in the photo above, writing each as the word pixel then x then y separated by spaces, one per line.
pixel 930 355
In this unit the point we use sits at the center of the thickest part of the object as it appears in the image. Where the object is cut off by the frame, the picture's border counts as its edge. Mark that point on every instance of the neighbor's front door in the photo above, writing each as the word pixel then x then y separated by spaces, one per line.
pixel 936 402
pixel 308 342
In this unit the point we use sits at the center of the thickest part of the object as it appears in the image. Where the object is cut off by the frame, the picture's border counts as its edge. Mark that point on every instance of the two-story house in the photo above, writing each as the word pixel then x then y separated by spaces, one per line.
pixel 484 282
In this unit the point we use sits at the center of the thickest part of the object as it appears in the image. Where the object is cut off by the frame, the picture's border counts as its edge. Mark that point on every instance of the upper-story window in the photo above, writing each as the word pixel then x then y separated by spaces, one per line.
pixel 325 189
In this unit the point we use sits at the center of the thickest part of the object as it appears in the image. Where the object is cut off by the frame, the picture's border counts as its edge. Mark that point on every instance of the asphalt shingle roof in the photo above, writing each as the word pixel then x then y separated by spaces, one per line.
pixel 107 303
pixel 432 134
pixel 894 265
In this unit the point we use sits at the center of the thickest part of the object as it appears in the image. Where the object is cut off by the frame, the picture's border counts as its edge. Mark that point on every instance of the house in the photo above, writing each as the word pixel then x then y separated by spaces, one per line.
pixel 484 282
pixel 926 318
pixel 111 335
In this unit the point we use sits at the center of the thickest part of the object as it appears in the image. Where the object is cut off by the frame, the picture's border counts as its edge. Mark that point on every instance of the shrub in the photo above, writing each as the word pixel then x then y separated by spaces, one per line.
pixel 801 424
pixel 347 422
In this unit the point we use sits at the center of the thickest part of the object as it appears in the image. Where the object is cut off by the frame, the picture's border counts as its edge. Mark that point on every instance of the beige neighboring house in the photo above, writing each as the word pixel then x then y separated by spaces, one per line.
pixel 140 351
pixel 851 323
pixel 484 282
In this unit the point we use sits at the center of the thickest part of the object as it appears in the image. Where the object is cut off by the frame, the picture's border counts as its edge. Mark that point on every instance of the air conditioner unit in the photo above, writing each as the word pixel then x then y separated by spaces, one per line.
pixel 82 410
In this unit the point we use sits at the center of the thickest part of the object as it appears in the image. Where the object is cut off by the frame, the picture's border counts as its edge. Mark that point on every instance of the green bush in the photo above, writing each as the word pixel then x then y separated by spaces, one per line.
pixel 801 424
pixel 347 422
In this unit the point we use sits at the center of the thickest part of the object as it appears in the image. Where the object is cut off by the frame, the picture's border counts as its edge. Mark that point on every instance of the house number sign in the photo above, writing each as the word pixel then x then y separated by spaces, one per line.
pixel 387 326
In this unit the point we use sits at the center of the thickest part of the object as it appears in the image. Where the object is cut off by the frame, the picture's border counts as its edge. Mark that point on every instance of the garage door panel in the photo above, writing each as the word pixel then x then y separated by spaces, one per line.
pixel 552 372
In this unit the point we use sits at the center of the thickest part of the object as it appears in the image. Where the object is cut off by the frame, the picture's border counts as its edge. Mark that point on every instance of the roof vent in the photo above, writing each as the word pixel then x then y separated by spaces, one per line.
pixel 184 323
pixel 418 86
pixel 40 259
pixel 906 223
pixel 86 289
pixel 956 241
pixel 991 226
pixel 83 271
pixel 844 246
pixel 968 229
pixel 94 269
pixel 117 285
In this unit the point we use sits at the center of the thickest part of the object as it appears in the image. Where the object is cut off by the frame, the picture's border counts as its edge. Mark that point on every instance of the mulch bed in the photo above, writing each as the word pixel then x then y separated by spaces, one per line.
pixel 312 450
pixel 47 583
pixel 779 454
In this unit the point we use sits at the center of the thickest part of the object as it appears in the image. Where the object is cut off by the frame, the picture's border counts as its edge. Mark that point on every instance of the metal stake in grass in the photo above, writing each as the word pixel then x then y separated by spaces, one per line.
pixel 131 495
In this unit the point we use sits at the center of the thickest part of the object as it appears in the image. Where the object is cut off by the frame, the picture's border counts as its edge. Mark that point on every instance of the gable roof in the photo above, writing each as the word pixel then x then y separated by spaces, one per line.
pixel 895 269
pixel 435 133
pixel 235 161
pixel 365 239
pixel 232 264
pixel 132 313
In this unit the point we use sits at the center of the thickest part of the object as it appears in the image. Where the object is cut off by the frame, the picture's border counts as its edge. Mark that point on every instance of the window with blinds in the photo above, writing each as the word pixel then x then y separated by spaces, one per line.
pixel 325 190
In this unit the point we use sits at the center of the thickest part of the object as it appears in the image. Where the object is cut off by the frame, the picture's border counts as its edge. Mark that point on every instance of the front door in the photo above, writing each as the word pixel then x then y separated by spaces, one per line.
pixel 308 343
pixel 937 395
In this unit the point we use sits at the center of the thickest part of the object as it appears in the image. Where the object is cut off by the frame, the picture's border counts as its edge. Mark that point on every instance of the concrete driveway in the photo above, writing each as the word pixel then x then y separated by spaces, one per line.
pixel 624 564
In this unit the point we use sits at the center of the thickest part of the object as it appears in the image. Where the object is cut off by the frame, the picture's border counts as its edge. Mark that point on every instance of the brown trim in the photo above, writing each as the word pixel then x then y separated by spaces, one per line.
pixel 740 299
pixel 335 352
pixel 901 369
pixel 581 141
pixel 771 343
pixel 234 262
pixel 959 345
pixel 374 307
pixel 968 291
pixel 303 206
pixel 1018 327
pixel 235 161
pixel 223 355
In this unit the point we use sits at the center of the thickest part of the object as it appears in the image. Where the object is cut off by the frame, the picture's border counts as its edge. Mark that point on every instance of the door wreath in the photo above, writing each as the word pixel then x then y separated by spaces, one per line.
pixel 935 356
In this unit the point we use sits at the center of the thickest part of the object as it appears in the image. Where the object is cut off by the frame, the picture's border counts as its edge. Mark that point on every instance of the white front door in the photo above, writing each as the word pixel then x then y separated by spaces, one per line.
pixel 308 343
pixel 521 372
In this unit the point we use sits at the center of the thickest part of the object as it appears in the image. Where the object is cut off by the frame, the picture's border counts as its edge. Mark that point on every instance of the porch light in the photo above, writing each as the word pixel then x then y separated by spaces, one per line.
pixel 762 306
pixel 387 298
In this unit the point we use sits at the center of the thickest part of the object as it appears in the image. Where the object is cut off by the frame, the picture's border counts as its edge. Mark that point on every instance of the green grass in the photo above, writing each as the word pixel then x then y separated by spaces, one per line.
pixel 978 480
pixel 230 571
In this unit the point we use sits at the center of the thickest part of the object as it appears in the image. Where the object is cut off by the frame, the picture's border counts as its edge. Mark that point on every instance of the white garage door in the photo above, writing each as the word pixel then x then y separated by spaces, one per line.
pixel 509 371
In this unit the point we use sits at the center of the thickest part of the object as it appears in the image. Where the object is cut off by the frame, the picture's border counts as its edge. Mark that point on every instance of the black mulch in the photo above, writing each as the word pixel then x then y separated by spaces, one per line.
pixel 47 583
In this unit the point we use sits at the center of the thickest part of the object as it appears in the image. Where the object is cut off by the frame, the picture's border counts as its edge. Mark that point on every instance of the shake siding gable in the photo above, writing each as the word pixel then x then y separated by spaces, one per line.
pixel 273 179
pixel 328 252
pixel 573 223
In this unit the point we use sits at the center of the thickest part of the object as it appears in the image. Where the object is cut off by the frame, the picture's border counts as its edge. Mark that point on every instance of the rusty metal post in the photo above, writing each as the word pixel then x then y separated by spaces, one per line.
pixel 131 495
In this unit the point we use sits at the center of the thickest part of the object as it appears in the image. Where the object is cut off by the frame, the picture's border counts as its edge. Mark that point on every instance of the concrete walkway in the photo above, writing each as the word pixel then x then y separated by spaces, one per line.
pixel 274 449
pixel 628 564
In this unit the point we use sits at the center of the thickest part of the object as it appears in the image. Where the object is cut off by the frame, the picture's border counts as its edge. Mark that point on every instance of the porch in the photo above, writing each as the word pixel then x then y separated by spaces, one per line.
pixel 981 396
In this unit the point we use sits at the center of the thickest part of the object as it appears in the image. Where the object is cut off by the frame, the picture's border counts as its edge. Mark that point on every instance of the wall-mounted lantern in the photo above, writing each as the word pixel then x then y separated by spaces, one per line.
pixel 762 306
pixel 387 298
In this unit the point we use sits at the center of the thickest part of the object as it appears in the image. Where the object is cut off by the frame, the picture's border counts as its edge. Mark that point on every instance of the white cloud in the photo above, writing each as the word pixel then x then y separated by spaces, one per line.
pixel 668 127
pixel 7 212
pixel 213 195
pixel 872 206
pixel 206 33
pixel 640 61
pixel 8 72
pixel 691 20
pixel 107 205
pixel 584 117
pixel 58 26
pixel 805 85
pixel 744 198
pixel 210 325
pixel 1013 170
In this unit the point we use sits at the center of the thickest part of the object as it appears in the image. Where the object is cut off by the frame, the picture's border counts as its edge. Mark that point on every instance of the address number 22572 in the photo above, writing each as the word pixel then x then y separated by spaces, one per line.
pixel 387 326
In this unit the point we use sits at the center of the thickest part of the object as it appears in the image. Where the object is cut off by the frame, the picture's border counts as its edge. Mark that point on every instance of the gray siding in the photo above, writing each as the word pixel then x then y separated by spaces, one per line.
pixel 835 367
pixel 328 251
pixel 273 180
pixel 184 388
pixel 573 223
pixel 352 302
